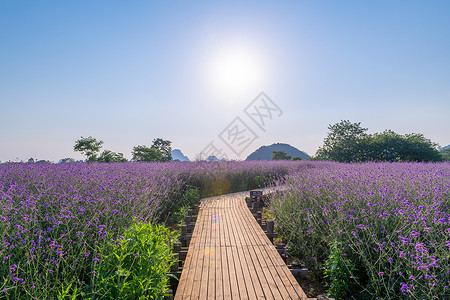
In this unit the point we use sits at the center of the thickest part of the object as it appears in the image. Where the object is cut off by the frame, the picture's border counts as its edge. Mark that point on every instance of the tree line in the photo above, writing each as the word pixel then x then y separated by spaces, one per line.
pixel 350 142
pixel 160 150
pixel 345 142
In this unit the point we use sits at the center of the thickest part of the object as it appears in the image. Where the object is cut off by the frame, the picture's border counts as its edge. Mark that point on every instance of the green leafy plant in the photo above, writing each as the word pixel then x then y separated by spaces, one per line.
pixel 259 181
pixel 339 271
pixel 136 266
pixel 181 207
pixel 64 293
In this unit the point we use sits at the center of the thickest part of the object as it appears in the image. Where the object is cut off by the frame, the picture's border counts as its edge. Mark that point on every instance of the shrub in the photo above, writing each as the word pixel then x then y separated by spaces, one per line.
pixel 137 265
pixel 339 272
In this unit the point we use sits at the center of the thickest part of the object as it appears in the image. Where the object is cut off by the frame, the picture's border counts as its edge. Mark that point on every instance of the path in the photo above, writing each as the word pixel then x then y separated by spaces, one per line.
pixel 230 256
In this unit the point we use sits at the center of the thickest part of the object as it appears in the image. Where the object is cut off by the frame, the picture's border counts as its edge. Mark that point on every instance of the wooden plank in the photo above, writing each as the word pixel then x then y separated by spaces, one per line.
pixel 264 275
pixel 199 265
pixel 238 291
pixel 205 249
pixel 281 271
pixel 213 279
pixel 218 257
pixel 223 253
pixel 243 275
pixel 265 249
pixel 234 286
pixel 255 290
pixel 186 283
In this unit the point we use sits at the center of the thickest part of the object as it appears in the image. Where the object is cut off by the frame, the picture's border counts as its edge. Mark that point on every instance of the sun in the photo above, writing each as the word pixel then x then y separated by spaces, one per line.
pixel 235 70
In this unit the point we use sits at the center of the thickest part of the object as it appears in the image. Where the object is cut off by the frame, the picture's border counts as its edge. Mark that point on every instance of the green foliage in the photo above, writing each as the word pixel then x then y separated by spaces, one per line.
pixel 419 148
pixel 280 155
pixel 181 207
pixel 339 271
pixel 89 147
pixel 190 197
pixel 445 154
pixel 163 146
pixel 159 151
pixel 144 153
pixel 348 142
pixel 136 266
pixel 65 293
pixel 259 181
pixel 345 142
pixel 109 156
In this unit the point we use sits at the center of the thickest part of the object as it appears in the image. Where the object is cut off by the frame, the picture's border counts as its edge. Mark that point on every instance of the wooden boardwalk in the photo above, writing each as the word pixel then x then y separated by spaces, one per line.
pixel 230 256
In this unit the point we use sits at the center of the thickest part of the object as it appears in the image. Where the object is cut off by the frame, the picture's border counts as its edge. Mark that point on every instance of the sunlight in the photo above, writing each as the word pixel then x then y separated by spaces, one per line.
pixel 235 70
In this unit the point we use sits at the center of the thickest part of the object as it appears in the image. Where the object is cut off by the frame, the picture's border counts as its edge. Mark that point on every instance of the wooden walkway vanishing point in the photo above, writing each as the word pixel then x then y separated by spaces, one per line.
pixel 230 256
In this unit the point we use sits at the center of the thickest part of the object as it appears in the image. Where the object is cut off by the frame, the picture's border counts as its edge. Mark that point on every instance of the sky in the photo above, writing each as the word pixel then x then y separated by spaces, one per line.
pixel 192 72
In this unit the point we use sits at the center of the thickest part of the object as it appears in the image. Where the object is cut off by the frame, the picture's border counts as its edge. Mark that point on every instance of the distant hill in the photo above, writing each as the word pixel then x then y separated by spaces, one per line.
pixel 178 155
pixel 214 158
pixel 265 152
pixel 446 147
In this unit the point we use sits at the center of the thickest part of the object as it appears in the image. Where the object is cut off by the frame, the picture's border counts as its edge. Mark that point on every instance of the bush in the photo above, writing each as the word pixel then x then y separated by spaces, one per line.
pixel 136 266
pixel 190 197
pixel 339 272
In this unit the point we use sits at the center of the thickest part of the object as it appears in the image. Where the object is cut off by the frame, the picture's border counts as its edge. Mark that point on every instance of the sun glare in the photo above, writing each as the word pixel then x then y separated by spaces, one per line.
pixel 235 70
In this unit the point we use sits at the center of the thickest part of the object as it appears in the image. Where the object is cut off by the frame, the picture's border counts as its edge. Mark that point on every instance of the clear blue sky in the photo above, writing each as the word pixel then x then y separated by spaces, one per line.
pixel 127 72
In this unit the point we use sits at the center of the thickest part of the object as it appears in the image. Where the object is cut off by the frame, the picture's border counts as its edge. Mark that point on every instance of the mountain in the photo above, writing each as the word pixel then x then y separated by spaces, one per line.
pixel 214 158
pixel 178 155
pixel 446 147
pixel 265 152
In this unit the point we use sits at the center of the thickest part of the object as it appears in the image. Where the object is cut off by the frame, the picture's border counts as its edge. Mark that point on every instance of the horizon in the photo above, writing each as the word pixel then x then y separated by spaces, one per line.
pixel 203 73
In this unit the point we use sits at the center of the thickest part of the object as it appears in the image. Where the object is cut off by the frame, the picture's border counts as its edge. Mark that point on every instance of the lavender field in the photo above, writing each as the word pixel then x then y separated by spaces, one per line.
pixel 377 230
pixel 384 226
pixel 55 218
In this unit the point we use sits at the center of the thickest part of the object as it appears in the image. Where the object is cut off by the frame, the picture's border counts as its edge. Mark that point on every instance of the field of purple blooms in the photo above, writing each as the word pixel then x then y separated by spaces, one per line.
pixel 54 217
pixel 380 230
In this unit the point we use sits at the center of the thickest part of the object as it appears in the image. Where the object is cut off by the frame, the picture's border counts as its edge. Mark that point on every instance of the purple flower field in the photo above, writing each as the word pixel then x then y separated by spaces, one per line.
pixel 391 221
pixel 54 217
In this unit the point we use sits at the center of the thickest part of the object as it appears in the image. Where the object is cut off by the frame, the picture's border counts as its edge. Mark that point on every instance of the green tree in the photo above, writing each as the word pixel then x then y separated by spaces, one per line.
pixel 280 155
pixel 349 142
pixel 144 153
pixel 419 148
pixel 89 147
pixel 386 146
pixel 445 154
pixel 164 147
pixel 346 142
pixel 109 156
